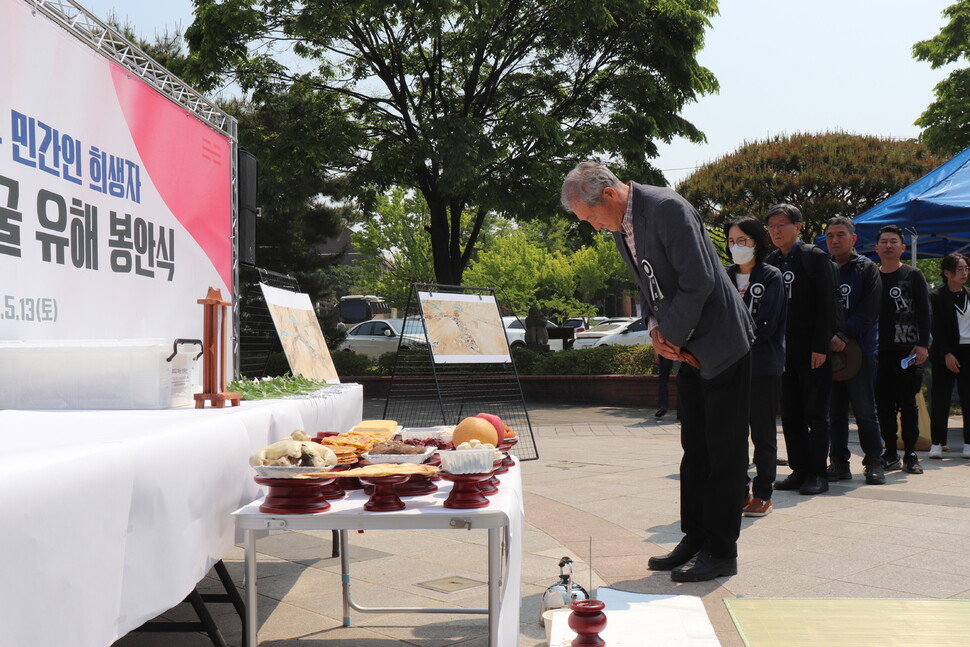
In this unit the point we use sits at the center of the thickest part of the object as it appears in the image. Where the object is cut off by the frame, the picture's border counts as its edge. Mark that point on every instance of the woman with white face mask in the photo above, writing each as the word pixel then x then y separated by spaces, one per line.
pixel 763 291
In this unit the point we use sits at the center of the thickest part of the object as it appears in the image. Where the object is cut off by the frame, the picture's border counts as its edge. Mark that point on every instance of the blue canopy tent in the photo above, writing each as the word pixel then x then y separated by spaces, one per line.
pixel 934 211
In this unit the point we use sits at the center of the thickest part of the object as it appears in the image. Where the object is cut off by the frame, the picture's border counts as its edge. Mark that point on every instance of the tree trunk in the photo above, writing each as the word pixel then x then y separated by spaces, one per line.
pixel 446 271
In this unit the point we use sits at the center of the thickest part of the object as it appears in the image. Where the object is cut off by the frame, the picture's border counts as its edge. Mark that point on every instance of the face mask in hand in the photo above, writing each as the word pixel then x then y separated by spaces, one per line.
pixel 741 254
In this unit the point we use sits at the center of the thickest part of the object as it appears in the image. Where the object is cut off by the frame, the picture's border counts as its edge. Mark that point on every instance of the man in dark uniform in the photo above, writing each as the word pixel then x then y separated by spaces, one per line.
pixel 694 315
pixel 810 281
pixel 904 331
pixel 860 289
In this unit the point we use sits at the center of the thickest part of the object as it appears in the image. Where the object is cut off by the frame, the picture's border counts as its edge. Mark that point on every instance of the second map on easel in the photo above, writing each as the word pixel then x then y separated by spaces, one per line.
pixel 464 328
pixel 299 331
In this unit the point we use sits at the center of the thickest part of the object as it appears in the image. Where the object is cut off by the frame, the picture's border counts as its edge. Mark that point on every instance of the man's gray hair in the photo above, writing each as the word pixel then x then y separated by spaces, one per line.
pixel 842 220
pixel 585 183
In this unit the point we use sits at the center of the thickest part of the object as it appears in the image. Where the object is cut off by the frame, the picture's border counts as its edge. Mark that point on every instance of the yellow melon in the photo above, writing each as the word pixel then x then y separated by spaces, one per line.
pixel 477 428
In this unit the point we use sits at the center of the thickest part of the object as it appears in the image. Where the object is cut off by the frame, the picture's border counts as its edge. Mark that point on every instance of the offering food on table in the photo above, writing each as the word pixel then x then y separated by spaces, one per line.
pixel 359 440
pixel 395 447
pixel 376 425
pixel 475 429
pixel 386 469
pixel 429 442
pixel 296 449
pixel 477 444
pixel 345 454
pixel 502 430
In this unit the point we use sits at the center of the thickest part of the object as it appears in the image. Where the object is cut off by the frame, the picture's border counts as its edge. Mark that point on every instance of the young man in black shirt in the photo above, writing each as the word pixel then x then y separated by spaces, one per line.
pixel 904 331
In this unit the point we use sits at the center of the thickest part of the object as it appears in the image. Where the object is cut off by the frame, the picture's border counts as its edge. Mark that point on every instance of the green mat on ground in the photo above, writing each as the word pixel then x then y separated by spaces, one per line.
pixel 850 622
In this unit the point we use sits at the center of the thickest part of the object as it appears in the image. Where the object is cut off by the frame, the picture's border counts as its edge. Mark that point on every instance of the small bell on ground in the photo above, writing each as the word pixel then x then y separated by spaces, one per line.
pixel 563 593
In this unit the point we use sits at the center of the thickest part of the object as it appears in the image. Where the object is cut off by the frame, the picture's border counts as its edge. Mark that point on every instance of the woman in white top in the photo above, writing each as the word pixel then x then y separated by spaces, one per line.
pixel 950 351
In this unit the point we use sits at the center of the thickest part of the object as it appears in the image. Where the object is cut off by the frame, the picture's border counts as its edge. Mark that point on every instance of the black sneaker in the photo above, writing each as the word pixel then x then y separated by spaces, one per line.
pixel 875 474
pixel 891 463
pixel 839 472
pixel 911 465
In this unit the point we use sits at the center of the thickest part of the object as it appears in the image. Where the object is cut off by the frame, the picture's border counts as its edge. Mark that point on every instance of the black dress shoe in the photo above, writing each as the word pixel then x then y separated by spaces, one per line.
pixel 814 485
pixel 661 412
pixel 791 482
pixel 704 567
pixel 679 555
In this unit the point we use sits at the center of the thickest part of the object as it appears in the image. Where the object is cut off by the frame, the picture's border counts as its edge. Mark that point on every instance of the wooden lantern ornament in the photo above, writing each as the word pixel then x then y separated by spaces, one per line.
pixel 214 325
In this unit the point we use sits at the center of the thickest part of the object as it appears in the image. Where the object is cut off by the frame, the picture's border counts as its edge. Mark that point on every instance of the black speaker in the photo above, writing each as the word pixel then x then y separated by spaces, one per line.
pixel 246 193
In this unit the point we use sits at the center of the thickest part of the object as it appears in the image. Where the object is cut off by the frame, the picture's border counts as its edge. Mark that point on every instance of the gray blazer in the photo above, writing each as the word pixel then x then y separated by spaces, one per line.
pixel 683 283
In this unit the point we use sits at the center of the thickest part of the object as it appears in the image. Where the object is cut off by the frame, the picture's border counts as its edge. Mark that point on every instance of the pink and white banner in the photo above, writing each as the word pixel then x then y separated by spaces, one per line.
pixel 115 202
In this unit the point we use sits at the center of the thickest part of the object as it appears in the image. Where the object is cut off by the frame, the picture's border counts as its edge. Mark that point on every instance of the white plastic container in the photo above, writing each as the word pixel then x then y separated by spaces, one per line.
pixel 87 374
pixel 467 461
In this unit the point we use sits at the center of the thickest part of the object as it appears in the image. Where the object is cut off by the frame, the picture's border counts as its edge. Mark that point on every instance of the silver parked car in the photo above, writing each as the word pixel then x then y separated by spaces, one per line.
pixel 378 336
pixel 618 333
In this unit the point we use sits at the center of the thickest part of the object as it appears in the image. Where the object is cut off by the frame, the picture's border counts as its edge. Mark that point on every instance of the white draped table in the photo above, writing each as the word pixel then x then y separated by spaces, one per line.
pixel 112 517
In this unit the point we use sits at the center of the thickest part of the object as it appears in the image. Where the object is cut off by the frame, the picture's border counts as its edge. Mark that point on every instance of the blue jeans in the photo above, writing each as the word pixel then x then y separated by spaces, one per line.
pixel 860 392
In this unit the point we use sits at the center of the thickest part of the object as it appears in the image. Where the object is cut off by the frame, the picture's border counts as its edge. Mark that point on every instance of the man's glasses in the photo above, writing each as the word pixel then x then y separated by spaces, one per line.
pixel 779 227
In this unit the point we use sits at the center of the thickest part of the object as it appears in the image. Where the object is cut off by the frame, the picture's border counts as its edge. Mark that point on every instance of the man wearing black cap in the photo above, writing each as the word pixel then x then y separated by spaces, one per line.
pixel 860 288
pixel 810 282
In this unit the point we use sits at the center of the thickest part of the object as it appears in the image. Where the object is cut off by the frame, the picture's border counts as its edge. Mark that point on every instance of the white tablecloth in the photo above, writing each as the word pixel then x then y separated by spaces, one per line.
pixel 112 517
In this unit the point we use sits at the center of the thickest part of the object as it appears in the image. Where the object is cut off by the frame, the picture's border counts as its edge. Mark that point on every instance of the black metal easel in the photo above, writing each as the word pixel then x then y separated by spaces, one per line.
pixel 426 393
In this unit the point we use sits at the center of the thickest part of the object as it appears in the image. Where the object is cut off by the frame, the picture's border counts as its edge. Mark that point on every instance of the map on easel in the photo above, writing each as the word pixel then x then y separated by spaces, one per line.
pixel 296 324
pixel 464 328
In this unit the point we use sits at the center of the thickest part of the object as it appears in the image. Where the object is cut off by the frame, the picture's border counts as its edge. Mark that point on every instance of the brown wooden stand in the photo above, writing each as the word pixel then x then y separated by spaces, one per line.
pixel 214 323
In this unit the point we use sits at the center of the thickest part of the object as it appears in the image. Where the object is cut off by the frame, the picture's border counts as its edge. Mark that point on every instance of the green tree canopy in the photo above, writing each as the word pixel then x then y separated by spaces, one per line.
pixel 824 175
pixel 480 106
pixel 395 250
pixel 946 122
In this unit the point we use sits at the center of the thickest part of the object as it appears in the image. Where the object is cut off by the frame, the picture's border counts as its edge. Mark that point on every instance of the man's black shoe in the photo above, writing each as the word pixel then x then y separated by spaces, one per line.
pixel 814 485
pixel 875 474
pixel 661 412
pixel 839 472
pixel 679 555
pixel 911 464
pixel 791 482
pixel 704 567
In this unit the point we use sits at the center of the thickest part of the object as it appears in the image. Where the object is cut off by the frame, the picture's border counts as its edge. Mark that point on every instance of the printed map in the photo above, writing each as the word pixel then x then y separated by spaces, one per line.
pixel 465 328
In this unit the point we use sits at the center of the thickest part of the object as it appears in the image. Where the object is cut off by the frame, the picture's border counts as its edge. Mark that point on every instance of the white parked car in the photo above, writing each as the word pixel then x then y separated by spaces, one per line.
pixel 378 336
pixel 515 332
pixel 628 332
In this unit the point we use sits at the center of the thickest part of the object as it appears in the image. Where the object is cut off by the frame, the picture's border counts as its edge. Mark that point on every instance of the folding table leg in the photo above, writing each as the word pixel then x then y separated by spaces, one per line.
pixel 195 599
pixel 250 634
pixel 345 574
pixel 494 583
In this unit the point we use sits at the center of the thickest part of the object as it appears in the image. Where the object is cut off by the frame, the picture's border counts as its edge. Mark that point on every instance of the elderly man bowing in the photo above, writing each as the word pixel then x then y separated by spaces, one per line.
pixel 694 315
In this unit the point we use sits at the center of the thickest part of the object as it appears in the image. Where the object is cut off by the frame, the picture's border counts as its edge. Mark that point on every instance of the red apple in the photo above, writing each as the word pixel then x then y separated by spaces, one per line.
pixel 496 422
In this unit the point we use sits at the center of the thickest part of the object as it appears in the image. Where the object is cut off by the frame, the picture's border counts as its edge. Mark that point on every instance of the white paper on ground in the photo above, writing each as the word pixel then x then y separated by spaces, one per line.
pixel 644 620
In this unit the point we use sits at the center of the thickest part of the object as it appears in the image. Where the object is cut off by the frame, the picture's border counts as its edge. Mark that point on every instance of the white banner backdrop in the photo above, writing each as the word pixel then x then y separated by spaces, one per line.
pixel 115 203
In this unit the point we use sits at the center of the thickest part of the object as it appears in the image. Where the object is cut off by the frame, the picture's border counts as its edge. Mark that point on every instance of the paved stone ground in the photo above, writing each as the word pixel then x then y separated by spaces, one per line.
pixel 605 492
